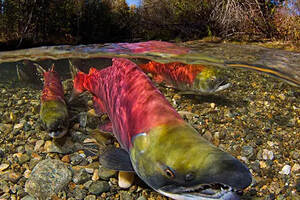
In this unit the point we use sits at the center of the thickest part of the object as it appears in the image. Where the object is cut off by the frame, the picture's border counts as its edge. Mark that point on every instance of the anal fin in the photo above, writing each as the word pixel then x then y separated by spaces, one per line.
pixel 116 159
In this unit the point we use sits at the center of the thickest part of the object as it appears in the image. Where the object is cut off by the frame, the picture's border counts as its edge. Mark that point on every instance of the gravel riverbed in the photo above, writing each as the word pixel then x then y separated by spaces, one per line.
pixel 257 120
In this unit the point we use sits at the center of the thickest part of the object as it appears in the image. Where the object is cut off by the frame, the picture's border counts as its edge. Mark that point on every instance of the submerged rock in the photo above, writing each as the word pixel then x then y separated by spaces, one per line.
pixel 48 178
pixel 3 166
pixel 90 197
pixel 126 179
pixel 80 176
pixel 267 155
pixel 28 197
pixel 105 174
pixel 99 187
pixel 52 147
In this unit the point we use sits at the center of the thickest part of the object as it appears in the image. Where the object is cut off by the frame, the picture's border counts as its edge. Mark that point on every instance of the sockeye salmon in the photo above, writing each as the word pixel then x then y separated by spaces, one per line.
pixel 165 151
pixel 53 112
pixel 198 79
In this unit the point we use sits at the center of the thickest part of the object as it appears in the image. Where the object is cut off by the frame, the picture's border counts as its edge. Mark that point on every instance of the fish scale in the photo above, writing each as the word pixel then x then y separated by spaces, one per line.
pixel 125 99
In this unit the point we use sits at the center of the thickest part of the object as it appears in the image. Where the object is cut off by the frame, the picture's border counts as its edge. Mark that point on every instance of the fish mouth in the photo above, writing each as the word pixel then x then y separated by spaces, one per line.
pixel 58 133
pixel 215 191
pixel 222 86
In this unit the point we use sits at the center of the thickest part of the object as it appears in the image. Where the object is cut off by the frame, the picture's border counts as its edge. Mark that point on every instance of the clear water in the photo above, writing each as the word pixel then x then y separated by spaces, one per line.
pixel 258 110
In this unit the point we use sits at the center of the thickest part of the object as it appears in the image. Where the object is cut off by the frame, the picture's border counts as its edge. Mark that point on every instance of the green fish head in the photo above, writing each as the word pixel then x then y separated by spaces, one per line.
pixel 210 80
pixel 54 117
pixel 177 162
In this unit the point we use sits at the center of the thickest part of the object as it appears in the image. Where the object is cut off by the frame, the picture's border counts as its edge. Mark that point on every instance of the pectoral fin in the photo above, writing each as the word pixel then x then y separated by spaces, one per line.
pixel 116 159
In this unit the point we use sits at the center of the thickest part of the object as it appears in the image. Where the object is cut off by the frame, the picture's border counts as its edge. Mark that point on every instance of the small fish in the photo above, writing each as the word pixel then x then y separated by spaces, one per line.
pixel 196 79
pixel 53 112
pixel 165 151
pixel 27 73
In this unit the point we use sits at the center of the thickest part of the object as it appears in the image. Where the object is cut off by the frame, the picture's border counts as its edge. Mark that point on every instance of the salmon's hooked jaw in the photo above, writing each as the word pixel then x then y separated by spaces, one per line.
pixel 207 194
pixel 177 162
pixel 210 80
pixel 58 133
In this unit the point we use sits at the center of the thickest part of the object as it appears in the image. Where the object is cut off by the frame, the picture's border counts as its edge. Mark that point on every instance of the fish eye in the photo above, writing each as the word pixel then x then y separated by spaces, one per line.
pixel 169 172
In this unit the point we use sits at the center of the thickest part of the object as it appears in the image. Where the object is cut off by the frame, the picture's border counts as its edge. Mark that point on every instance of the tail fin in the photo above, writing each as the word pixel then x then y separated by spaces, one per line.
pixel 40 69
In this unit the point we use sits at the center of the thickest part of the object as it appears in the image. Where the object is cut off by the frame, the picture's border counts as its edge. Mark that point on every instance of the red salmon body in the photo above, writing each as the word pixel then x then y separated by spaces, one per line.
pixel 130 99
pixel 173 73
pixel 150 47
pixel 195 79
pixel 53 89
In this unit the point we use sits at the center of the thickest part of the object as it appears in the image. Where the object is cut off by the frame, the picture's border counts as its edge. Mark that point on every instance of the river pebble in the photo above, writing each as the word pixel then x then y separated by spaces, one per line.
pixel 247 151
pixel 48 178
pixel 95 176
pixel 125 179
pixel 106 174
pixel 99 187
pixel 3 166
pixel 267 155
pixel 90 197
pixel 38 145
pixel 52 147
pixel 80 176
pixel 285 170
pixel 28 197
pixel 296 168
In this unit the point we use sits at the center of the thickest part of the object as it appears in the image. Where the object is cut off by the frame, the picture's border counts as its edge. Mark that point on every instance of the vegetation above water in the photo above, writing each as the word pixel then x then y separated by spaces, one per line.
pixel 32 23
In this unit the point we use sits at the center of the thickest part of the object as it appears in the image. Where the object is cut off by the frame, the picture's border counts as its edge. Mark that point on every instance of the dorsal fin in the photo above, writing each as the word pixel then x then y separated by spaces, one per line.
pixel 52 67
pixel 92 70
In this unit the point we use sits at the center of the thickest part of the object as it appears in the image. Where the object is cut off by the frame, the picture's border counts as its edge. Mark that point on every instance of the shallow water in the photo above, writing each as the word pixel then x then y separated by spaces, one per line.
pixel 257 119
pixel 279 63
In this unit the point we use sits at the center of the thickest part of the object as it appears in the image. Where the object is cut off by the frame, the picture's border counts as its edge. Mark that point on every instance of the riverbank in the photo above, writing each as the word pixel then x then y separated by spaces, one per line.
pixel 293 46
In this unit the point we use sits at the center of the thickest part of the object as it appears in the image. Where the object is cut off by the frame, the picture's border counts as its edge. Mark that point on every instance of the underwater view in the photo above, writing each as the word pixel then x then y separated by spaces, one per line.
pixel 150 120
